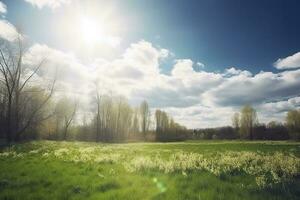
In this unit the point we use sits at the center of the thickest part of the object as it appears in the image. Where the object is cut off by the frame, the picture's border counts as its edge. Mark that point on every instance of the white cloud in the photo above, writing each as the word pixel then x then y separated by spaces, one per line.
pixel 194 83
pixel 199 64
pixel 194 98
pixel 281 106
pixel 3 9
pixel 277 110
pixel 201 116
pixel 262 87
pixel 289 62
pixel 233 71
pixel 72 77
pixel 183 68
pixel 165 53
pixel 49 3
pixel 8 31
pixel 184 91
pixel 136 70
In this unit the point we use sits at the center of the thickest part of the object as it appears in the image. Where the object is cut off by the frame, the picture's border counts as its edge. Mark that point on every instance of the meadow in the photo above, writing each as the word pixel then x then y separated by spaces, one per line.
pixel 179 170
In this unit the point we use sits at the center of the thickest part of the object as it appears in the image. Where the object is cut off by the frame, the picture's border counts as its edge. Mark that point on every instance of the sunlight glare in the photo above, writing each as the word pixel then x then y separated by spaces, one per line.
pixel 94 32
pixel 90 30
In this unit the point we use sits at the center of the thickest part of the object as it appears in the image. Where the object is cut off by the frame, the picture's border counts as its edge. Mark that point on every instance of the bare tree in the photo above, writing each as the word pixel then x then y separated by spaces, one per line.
pixel 166 127
pixel 98 116
pixel 112 117
pixel 135 121
pixel 145 117
pixel 236 121
pixel 69 119
pixel 15 79
pixel 65 114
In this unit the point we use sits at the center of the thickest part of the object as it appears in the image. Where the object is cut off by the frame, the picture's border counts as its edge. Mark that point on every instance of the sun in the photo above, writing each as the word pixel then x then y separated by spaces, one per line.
pixel 91 31
pixel 94 32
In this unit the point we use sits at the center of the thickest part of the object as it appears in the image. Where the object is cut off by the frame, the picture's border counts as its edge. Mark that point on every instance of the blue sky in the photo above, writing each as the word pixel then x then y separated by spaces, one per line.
pixel 247 34
pixel 157 44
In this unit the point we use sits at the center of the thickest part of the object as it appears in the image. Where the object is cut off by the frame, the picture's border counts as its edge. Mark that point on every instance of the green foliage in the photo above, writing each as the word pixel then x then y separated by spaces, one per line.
pixel 248 121
pixel 293 123
pixel 267 169
pixel 187 170
pixel 145 116
pixel 167 129
pixel 236 121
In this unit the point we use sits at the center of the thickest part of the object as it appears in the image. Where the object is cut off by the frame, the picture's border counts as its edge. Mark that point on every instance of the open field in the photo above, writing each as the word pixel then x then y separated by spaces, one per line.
pixel 184 170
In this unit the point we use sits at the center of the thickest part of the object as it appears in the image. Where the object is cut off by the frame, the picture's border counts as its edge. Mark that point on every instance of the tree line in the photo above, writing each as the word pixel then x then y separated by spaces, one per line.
pixel 245 125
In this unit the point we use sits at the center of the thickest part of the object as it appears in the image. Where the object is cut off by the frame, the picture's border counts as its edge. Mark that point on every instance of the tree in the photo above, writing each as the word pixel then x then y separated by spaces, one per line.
pixel 98 115
pixel 273 124
pixel 145 117
pixel 236 121
pixel 293 123
pixel 16 80
pixel 65 113
pixel 248 121
pixel 123 119
pixel 113 118
pixel 107 115
pixel 135 121
pixel 159 121
pixel 166 128
pixel 31 99
pixel 276 131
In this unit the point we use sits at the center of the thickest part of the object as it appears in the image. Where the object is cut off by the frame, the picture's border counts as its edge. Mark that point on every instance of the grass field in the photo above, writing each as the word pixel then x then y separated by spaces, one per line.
pixel 183 170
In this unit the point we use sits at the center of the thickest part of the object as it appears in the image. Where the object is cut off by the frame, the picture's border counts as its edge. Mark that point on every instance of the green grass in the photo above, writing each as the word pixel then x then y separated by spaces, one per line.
pixel 183 170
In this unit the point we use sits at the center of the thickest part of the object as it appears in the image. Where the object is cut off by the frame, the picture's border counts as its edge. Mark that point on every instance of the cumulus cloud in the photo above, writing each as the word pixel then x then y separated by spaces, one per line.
pixel 140 60
pixel 277 110
pixel 3 9
pixel 67 66
pixel 281 106
pixel 194 98
pixel 183 68
pixel 49 3
pixel 262 87
pixel 289 62
pixel 8 31
pixel 201 116
pixel 233 71
pixel 192 82
pixel 185 90
pixel 72 78
pixel 201 65
pixel 136 71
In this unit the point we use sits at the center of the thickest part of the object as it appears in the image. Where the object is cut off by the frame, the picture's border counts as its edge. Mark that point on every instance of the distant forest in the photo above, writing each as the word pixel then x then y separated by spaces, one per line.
pixel 245 125
pixel 31 109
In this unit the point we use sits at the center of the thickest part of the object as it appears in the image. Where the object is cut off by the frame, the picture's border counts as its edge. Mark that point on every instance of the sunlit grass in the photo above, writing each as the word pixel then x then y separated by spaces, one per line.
pixel 145 170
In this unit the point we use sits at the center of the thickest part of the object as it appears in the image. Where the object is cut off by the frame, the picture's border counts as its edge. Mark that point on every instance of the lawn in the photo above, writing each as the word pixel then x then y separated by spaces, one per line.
pixel 182 170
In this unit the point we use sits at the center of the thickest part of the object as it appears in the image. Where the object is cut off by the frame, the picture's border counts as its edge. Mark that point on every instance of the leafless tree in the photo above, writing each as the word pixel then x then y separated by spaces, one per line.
pixel 98 116
pixel 145 117
pixel 236 121
pixel 65 111
pixel 15 82
pixel 68 120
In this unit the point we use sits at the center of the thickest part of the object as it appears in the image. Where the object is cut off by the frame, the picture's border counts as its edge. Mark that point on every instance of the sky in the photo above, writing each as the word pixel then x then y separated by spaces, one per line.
pixel 199 60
